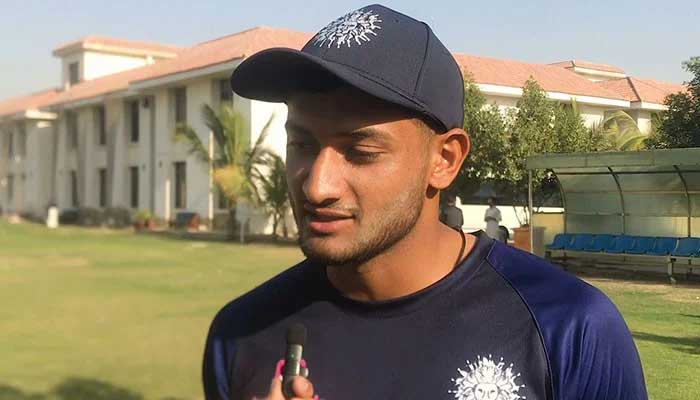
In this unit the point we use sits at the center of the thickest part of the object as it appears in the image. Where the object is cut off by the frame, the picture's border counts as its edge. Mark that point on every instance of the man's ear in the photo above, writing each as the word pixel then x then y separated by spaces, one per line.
pixel 448 153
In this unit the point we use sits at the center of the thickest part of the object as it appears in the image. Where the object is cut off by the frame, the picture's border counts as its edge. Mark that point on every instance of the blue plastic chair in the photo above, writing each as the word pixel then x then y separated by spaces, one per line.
pixel 663 246
pixel 581 240
pixel 620 244
pixel 687 247
pixel 599 243
pixel 560 241
pixel 642 245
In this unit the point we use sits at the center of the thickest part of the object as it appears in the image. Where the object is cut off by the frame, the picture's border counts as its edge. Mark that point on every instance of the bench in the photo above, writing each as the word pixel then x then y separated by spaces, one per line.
pixel 622 248
pixel 185 220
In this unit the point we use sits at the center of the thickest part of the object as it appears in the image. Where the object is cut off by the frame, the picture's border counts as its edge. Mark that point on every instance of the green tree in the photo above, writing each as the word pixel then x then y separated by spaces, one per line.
pixel 235 163
pixel 273 190
pixel 501 143
pixel 571 133
pixel 618 131
pixel 488 132
pixel 532 131
pixel 679 126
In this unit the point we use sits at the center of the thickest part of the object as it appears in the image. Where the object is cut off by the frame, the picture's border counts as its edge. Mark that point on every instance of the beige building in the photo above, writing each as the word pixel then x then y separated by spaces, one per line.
pixel 105 136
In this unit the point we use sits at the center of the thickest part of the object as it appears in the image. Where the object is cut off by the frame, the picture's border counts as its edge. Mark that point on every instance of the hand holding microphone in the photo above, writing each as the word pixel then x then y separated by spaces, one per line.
pixel 291 382
pixel 296 339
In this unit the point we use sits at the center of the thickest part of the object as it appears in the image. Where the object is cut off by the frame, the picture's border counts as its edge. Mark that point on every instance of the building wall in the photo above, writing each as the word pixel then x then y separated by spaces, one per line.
pixel 136 155
pixel 643 119
pixel 275 114
pixel 65 63
pixel 591 114
pixel 38 167
pixel 199 191
pixel 100 64
pixel 93 64
pixel 66 161
pixel 166 150
pixel 162 186
pixel 13 166
pixel 5 132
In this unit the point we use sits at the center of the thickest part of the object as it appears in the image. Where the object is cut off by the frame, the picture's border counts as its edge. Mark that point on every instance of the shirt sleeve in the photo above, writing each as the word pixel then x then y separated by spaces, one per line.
pixel 609 366
pixel 219 354
pixel 589 348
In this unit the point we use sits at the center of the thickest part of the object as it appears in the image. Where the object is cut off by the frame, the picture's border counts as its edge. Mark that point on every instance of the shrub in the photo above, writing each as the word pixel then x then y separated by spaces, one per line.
pixel 117 217
pixel 88 216
pixel 68 216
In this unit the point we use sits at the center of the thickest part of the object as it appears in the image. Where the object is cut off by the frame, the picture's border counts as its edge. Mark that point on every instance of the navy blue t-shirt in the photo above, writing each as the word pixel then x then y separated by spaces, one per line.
pixel 503 325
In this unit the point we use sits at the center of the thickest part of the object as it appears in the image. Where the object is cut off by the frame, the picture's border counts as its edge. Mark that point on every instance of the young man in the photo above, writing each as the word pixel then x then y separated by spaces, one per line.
pixel 492 217
pixel 396 304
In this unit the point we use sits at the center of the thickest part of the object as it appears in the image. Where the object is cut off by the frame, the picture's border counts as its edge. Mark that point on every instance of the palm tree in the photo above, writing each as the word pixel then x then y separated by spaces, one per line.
pixel 273 190
pixel 621 132
pixel 235 164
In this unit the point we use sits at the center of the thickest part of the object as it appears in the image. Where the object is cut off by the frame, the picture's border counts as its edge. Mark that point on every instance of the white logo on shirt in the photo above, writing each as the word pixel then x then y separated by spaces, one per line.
pixel 352 27
pixel 487 380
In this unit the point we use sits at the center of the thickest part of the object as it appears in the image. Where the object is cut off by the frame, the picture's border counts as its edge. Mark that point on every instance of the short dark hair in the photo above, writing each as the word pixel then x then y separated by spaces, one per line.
pixel 429 125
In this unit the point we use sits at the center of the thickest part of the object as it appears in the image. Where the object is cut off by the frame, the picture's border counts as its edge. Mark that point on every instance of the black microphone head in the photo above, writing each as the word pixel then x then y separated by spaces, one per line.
pixel 296 334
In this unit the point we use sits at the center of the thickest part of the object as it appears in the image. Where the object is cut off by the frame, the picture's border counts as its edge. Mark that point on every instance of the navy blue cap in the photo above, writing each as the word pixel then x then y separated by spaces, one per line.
pixel 375 49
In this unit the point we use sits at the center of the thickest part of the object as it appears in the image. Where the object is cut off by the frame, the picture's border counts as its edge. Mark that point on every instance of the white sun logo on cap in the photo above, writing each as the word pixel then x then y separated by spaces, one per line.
pixel 487 380
pixel 352 27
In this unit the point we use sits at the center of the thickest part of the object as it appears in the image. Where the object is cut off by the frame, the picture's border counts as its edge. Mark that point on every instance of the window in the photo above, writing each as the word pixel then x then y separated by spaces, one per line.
pixel 74 188
pixel 102 186
pixel 72 129
pixel 100 126
pixel 222 202
pixel 22 139
pixel 11 144
pixel 134 120
pixel 225 92
pixel 180 185
pixel 73 73
pixel 180 105
pixel 10 187
pixel 134 184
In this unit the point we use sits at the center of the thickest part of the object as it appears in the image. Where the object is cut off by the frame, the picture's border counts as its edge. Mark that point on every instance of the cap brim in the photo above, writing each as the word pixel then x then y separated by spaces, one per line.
pixel 275 74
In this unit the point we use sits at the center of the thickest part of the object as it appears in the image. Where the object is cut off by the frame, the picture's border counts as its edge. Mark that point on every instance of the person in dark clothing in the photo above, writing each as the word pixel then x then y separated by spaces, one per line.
pixel 451 215
pixel 396 304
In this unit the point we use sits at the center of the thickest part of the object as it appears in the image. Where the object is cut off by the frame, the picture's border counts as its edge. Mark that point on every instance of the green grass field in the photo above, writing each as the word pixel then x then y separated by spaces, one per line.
pixel 105 315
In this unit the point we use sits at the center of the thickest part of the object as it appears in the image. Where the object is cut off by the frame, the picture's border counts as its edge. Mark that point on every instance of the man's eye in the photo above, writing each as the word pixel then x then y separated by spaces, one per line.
pixel 360 155
pixel 298 144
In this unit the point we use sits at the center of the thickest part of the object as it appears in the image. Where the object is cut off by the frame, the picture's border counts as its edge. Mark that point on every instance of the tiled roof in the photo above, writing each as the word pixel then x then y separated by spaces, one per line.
pixel 589 65
pixel 228 48
pixel 484 70
pixel 100 86
pixel 646 90
pixel 510 73
pixel 239 45
pixel 104 42
pixel 28 102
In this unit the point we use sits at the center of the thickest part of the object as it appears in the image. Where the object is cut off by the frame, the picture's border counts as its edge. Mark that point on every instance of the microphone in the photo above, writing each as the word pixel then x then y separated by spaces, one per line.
pixel 296 338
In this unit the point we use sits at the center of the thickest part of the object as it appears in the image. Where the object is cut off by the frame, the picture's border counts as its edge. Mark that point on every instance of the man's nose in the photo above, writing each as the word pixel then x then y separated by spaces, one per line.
pixel 323 184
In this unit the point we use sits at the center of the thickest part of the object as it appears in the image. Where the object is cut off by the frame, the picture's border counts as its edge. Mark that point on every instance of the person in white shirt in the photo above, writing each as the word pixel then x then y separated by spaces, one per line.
pixel 493 219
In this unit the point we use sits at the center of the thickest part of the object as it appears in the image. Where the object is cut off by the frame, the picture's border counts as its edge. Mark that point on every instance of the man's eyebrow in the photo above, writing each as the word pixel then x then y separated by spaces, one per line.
pixel 369 132
pixel 295 128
